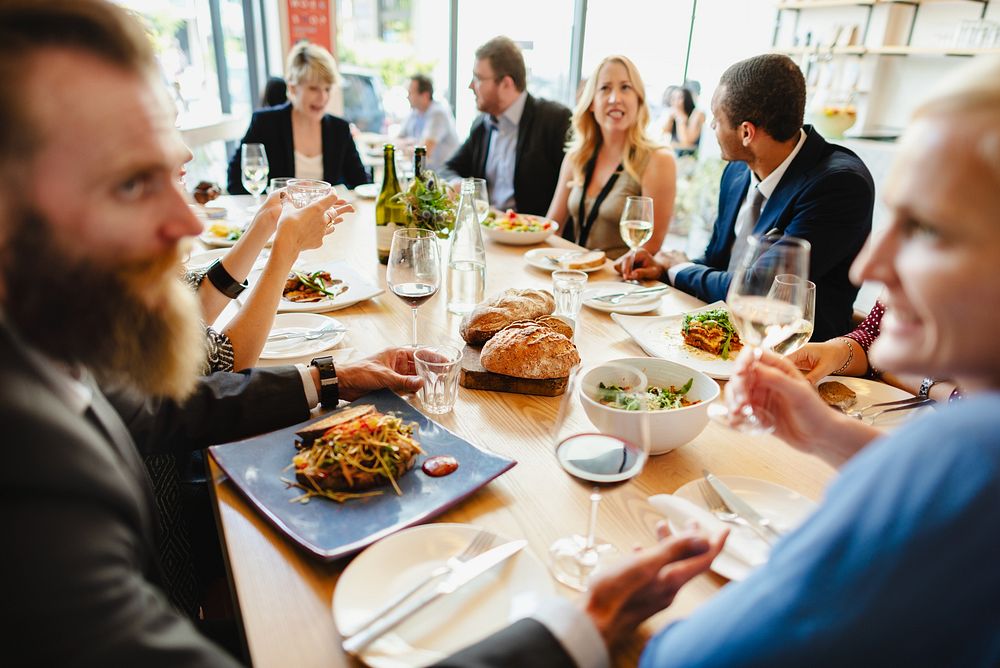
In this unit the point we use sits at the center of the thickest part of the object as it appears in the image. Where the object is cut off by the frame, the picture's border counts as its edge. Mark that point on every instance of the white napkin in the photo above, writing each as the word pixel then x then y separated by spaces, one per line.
pixel 741 544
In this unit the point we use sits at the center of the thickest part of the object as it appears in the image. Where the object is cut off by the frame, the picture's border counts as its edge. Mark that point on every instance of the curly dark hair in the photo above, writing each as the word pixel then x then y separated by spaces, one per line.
pixel 768 91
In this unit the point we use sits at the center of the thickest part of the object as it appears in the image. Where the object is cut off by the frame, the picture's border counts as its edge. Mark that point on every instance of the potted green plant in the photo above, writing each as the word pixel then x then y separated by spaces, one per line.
pixel 430 204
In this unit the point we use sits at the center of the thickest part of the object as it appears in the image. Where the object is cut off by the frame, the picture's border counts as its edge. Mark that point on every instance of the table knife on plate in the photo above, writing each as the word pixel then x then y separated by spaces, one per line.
pixel 458 578
pixel 755 520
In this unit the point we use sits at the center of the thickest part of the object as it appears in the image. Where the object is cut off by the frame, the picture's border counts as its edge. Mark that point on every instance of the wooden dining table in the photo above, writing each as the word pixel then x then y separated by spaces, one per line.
pixel 284 594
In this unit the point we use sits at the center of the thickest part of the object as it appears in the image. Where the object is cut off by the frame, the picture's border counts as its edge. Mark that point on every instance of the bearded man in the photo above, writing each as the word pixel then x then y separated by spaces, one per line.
pixel 100 342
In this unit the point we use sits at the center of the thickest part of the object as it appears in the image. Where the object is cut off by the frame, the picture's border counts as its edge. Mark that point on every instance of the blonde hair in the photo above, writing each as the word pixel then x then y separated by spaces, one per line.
pixel 974 89
pixel 310 62
pixel 587 133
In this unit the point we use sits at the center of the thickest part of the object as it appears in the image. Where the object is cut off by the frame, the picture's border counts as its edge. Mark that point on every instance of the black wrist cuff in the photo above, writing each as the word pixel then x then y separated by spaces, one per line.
pixel 223 282
pixel 329 386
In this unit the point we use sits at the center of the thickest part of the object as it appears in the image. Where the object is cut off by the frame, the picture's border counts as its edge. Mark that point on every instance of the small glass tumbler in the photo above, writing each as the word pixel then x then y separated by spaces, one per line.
pixel 567 287
pixel 304 192
pixel 278 182
pixel 438 366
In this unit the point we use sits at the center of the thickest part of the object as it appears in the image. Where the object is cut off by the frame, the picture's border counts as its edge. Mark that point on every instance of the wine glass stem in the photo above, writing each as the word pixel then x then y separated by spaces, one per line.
pixel 413 310
pixel 595 502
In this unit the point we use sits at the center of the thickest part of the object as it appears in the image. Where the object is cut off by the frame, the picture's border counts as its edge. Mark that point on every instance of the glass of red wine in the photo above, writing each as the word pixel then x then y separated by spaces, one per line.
pixel 414 269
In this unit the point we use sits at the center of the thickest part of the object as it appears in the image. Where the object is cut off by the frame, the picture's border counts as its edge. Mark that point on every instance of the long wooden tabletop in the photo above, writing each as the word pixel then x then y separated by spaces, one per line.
pixel 284 595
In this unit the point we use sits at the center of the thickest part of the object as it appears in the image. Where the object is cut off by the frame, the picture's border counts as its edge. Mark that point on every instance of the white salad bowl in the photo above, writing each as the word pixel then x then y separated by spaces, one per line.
pixel 668 429
pixel 513 238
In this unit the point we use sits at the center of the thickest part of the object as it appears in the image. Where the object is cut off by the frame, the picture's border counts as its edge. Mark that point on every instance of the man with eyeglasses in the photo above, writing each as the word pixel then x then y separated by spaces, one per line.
pixel 517 144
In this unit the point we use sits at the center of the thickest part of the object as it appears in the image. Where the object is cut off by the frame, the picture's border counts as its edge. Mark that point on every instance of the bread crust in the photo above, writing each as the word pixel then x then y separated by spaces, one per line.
pixel 529 350
pixel 837 394
pixel 509 306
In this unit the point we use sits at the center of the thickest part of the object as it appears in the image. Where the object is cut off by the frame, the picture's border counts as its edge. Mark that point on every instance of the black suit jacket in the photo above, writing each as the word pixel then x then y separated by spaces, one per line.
pixel 541 143
pixel 78 570
pixel 272 127
pixel 825 197
pixel 526 643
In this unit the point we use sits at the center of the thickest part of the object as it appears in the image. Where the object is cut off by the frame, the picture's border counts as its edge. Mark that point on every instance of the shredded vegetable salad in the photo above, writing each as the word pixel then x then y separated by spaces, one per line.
pixel 657 398
pixel 377 445
pixel 511 221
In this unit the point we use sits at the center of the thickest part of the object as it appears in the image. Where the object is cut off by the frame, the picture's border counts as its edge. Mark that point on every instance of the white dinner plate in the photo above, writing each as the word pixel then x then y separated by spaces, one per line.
pixel 785 508
pixel 536 258
pixel 301 322
pixel 358 289
pixel 629 305
pixel 210 239
pixel 509 592
pixel 205 259
pixel 873 392
pixel 660 336
pixel 367 190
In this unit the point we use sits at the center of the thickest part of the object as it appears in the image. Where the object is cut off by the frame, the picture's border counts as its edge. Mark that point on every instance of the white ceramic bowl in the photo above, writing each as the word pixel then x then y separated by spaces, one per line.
pixel 522 238
pixel 669 429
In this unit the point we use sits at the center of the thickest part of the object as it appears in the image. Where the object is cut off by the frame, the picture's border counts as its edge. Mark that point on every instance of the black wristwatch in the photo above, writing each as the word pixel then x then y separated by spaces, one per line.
pixel 329 387
pixel 223 282
pixel 925 387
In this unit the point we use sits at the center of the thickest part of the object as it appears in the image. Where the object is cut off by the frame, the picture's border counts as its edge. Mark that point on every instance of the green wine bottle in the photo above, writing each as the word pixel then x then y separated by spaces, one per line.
pixel 389 215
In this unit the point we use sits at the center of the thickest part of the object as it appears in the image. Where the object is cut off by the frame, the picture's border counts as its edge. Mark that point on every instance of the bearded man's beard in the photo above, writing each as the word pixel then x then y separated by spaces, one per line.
pixel 136 323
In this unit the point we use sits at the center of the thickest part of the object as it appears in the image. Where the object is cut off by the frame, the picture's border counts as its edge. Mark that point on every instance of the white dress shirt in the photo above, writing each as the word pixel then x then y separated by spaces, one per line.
pixel 766 188
pixel 502 154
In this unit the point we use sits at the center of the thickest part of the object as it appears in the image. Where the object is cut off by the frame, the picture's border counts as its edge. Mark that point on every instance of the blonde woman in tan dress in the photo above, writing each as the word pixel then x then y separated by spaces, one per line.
pixel 609 158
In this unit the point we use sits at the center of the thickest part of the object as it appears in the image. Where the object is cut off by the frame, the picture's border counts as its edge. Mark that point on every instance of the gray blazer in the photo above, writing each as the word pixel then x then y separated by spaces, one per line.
pixel 78 569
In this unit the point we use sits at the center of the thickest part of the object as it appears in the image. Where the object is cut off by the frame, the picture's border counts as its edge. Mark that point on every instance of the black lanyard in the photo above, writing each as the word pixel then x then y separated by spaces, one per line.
pixel 582 234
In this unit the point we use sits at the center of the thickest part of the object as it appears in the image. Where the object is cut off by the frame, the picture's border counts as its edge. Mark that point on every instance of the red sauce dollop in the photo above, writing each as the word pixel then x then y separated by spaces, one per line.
pixel 440 466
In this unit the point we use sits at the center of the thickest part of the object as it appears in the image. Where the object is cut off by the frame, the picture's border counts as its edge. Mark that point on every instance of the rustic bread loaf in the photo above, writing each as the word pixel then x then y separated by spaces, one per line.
pixel 509 306
pixel 556 323
pixel 529 350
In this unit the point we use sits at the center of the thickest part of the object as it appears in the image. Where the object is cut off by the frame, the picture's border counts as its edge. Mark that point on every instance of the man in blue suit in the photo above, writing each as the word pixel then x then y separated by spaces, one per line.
pixel 782 178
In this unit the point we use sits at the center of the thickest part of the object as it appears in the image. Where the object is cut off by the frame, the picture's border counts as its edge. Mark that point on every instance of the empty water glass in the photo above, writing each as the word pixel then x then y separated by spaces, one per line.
pixel 438 366
pixel 567 286
pixel 278 182
pixel 304 192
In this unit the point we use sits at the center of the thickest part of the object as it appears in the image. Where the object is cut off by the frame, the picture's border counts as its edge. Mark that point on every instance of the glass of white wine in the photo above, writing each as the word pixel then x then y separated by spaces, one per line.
pixel 798 334
pixel 636 225
pixel 253 162
pixel 765 314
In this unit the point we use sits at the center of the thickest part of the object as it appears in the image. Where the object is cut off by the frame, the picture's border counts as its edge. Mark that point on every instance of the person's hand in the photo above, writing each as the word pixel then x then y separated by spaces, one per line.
pixel 639 265
pixel 819 360
pixel 305 228
pixel 267 215
pixel 392 368
pixel 773 384
pixel 640 586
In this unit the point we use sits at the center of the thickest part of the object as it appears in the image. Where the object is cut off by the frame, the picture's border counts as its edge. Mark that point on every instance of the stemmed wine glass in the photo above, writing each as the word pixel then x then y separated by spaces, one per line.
pixel 800 333
pixel 766 314
pixel 599 458
pixel 636 225
pixel 253 161
pixel 414 268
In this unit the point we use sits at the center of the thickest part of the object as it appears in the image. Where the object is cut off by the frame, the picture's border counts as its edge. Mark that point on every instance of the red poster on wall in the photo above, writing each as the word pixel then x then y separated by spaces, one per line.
pixel 310 20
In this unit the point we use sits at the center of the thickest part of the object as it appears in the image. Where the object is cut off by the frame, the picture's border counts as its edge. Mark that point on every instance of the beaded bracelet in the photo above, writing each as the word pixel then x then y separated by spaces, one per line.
pixel 850 356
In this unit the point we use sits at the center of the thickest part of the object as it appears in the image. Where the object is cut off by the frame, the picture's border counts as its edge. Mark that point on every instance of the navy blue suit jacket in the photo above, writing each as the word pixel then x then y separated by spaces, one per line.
pixel 272 127
pixel 825 197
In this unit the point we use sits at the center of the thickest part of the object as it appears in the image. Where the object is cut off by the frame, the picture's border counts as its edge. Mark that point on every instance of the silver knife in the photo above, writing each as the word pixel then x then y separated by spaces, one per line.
pixel 459 577
pixel 635 293
pixel 310 333
pixel 761 525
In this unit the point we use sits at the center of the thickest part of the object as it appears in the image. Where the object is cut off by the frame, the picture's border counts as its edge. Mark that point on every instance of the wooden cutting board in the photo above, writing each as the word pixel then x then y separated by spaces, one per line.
pixel 475 377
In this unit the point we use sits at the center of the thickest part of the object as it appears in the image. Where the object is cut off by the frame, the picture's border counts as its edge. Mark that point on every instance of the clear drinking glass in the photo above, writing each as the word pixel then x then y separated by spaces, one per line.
pixel 799 334
pixel 764 315
pixel 414 269
pixel 567 287
pixel 253 162
pixel 277 183
pixel 599 458
pixel 636 226
pixel 438 366
pixel 304 192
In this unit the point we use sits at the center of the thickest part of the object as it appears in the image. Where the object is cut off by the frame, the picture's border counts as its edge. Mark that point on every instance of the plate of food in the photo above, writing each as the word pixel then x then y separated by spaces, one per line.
pixel 785 508
pixel 338 483
pixel 221 234
pixel 640 303
pixel 492 601
pixel 703 339
pixel 317 288
pixel 295 335
pixel 847 393
pixel 367 190
pixel 550 259
pixel 517 229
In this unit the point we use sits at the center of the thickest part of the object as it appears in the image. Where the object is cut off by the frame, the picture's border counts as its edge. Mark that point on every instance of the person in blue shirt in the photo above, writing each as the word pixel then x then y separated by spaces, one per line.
pixel 899 565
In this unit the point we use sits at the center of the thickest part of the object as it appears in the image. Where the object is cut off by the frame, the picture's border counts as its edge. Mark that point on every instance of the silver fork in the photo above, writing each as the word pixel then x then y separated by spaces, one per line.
pixel 618 298
pixel 308 335
pixel 890 407
pixel 721 511
pixel 479 544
